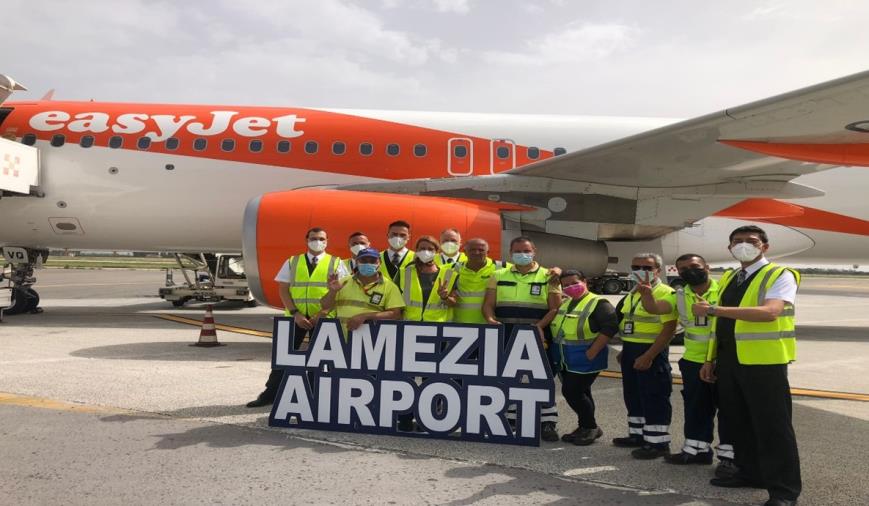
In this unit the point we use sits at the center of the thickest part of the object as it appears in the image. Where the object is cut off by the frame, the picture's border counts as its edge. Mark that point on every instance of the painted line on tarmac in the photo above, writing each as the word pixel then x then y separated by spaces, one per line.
pixel 218 326
pixel 804 392
pixel 7 399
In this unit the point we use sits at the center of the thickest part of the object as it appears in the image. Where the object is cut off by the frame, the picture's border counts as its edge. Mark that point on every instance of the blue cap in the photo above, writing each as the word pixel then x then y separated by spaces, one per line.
pixel 368 252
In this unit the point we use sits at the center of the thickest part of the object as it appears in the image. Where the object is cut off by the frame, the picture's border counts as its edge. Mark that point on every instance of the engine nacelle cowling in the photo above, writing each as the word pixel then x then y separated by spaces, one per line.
pixel 275 224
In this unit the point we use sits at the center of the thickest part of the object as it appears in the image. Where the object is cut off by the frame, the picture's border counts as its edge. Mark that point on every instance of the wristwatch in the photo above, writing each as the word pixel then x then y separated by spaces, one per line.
pixel 294 311
pixel 711 310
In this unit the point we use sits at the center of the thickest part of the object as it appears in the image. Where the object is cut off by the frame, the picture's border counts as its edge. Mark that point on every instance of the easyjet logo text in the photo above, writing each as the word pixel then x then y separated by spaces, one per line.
pixel 160 127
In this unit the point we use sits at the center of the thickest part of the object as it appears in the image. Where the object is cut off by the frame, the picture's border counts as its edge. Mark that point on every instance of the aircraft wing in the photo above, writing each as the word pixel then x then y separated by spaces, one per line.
pixel 648 184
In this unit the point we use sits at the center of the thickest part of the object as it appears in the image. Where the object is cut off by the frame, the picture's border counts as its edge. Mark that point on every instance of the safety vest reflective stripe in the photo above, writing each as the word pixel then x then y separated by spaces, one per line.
pixel 435 309
pixel 481 293
pixel 646 327
pixel 530 304
pixel 470 292
pixel 697 337
pixel 760 336
pixel 646 319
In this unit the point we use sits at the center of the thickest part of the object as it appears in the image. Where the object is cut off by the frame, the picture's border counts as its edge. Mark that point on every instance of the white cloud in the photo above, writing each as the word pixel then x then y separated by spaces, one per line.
pixel 574 44
pixel 457 6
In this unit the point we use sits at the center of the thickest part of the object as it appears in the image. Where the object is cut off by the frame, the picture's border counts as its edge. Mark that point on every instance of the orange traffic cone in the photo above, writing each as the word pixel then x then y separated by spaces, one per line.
pixel 208 334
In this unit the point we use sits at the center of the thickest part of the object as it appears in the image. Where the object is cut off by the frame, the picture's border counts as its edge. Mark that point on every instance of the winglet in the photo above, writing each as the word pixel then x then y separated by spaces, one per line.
pixel 49 95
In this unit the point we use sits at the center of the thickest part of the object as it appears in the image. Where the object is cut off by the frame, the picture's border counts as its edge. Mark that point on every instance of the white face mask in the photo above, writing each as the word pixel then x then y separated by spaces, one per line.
pixel 641 275
pixel 356 248
pixel 397 242
pixel 317 245
pixel 745 251
pixel 425 256
pixel 450 248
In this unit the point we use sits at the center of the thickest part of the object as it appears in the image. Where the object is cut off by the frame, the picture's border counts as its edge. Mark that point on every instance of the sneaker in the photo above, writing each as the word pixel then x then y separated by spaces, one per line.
pixel 649 452
pixel 548 432
pixel 726 468
pixel 628 442
pixel 569 437
pixel 685 458
pixel 587 436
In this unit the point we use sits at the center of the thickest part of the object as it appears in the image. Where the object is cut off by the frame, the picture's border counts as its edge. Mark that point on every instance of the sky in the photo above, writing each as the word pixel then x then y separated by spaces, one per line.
pixel 674 59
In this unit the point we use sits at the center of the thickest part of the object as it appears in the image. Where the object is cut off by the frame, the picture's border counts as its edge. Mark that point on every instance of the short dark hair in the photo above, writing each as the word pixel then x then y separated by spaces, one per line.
pixel 689 256
pixel 315 230
pixel 750 229
pixel 572 272
pixel 521 238
pixel 356 234
pixel 399 223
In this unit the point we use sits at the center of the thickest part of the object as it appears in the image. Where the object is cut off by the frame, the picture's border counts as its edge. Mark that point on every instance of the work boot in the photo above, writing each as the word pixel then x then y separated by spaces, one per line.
pixel 735 481
pixel 726 468
pixel 628 442
pixel 685 458
pixel 587 436
pixel 649 452
pixel 265 398
pixel 548 432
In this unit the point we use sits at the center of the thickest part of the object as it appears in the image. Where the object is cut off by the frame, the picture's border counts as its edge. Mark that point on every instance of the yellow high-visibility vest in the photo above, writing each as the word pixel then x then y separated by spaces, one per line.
pixel 697 337
pixel 647 326
pixel 306 288
pixel 762 343
pixel 434 309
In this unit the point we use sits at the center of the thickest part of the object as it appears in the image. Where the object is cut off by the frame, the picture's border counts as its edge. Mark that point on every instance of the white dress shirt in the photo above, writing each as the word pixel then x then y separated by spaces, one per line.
pixel 784 288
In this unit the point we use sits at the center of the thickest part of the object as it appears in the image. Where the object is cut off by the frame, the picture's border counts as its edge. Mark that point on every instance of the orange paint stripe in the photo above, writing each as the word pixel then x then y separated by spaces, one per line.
pixel 835 154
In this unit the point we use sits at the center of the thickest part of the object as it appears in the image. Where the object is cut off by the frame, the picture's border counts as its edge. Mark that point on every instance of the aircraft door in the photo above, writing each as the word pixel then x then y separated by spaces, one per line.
pixel 502 155
pixel 460 159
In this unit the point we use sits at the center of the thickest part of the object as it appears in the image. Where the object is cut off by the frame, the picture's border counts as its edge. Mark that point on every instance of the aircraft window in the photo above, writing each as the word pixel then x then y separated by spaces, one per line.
pixel 29 139
pixel 172 143
pixel 366 149
pixel 502 152
pixel 144 142
pixel 255 145
pixel 420 150
pixel 57 140
pixel 559 151
pixel 311 147
pixel 393 149
pixel 86 141
pixel 284 146
pixel 227 145
pixel 199 144
pixel 116 141
pixel 460 151
pixel 533 153
pixel 338 148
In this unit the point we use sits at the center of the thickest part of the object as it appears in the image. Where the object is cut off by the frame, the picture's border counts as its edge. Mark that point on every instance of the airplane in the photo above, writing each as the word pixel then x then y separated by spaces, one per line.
pixel 591 191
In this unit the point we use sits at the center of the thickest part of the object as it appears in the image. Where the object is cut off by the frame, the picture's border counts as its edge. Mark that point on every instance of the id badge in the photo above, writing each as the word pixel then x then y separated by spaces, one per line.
pixel 628 328
pixel 376 298
pixel 701 321
pixel 536 290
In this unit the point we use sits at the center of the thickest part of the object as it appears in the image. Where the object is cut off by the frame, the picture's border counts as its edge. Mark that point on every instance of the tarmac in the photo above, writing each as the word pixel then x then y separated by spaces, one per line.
pixel 102 401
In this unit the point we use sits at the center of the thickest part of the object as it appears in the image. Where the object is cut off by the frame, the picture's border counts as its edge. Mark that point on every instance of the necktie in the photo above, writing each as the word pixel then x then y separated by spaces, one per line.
pixel 313 261
pixel 396 260
pixel 740 277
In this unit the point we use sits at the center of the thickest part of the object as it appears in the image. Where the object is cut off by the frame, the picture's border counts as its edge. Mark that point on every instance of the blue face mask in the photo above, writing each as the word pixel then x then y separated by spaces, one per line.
pixel 367 269
pixel 523 258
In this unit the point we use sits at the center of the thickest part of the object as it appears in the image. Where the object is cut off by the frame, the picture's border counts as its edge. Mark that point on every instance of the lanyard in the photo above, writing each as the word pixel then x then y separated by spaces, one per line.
pixel 634 306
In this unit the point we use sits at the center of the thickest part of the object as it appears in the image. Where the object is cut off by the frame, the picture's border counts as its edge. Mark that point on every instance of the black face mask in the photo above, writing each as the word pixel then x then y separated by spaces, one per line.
pixel 695 276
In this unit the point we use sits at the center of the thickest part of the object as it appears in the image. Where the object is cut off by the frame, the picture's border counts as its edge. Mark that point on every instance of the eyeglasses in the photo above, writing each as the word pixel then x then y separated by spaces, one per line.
pixel 647 268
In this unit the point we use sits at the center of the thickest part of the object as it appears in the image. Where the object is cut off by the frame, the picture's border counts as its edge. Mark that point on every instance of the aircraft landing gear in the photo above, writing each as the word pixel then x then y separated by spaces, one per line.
pixel 21 280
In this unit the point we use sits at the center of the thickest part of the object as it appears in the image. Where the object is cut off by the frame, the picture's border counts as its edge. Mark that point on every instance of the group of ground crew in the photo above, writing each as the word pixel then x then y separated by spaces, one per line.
pixel 739 336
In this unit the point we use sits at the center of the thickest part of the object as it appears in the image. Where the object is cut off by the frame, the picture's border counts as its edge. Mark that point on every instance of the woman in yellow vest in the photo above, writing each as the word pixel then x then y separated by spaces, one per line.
pixel 580 331
pixel 428 290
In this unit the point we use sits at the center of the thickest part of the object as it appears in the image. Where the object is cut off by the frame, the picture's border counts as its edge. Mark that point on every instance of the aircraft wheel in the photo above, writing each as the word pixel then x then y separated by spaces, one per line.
pixel 180 302
pixel 250 303
pixel 32 301
pixel 19 302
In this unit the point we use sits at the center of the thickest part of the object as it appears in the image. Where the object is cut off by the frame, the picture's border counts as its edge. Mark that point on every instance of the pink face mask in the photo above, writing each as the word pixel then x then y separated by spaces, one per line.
pixel 575 291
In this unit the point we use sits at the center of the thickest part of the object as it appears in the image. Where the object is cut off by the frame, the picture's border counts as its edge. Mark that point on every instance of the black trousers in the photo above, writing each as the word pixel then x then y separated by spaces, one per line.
pixel 576 389
pixel 277 375
pixel 701 400
pixel 756 405
pixel 647 395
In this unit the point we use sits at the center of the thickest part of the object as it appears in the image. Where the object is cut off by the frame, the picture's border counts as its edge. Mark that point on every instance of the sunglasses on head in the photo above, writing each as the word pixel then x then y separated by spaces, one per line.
pixel 648 268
